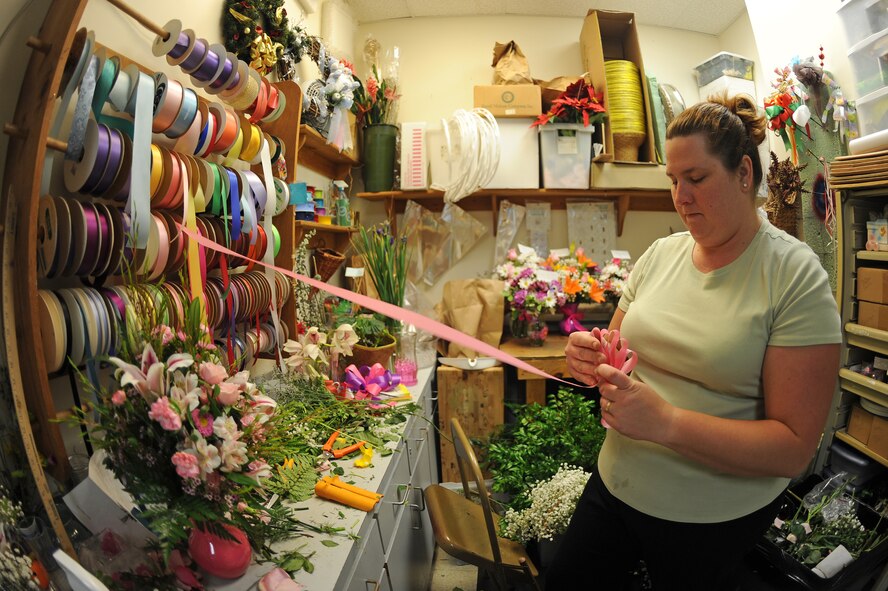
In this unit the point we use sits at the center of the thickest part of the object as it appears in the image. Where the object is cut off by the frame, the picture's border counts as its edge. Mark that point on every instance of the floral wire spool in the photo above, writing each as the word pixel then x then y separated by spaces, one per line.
pixel 326 262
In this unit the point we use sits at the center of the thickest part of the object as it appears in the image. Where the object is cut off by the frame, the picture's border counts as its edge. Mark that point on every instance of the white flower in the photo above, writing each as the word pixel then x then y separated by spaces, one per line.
pixel 552 504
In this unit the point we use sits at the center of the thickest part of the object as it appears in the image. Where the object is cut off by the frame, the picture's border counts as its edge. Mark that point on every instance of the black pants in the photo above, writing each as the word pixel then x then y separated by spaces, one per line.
pixel 607 538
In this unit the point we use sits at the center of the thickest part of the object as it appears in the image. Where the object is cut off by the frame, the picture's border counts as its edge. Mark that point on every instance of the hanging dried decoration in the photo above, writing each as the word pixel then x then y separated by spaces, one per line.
pixel 784 187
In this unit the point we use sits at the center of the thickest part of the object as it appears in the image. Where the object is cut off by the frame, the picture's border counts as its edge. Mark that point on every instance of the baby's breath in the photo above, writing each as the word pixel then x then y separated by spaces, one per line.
pixel 552 504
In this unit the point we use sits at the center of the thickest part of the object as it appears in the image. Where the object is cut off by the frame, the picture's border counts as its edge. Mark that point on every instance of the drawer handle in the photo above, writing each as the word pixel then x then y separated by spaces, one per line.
pixel 376 584
pixel 406 499
pixel 421 507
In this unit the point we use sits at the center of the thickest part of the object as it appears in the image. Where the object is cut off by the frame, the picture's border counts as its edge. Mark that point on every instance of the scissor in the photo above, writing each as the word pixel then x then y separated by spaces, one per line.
pixel 336 454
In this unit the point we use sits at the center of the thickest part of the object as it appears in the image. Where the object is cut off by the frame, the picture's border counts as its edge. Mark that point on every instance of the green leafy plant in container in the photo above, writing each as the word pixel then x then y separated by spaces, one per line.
pixel 565 431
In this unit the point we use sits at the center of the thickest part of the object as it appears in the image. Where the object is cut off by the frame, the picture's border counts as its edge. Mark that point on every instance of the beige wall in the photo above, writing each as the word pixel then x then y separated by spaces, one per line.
pixel 438 73
pixel 443 58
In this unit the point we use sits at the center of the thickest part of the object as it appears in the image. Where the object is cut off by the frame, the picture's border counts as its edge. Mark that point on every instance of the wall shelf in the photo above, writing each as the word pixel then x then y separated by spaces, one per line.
pixel 323 158
pixel 488 199
pixel 843 436
pixel 867 337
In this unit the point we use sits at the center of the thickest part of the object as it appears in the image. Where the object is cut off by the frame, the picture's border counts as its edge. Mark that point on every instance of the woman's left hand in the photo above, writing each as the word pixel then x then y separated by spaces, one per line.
pixel 631 407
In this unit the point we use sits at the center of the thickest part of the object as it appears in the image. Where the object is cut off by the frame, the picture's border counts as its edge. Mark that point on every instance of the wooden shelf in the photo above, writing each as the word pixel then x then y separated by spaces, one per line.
pixel 863 386
pixel 872 255
pixel 867 337
pixel 842 435
pixel 488 199
pixel 326 235
pixel 327 228
pixel 323 158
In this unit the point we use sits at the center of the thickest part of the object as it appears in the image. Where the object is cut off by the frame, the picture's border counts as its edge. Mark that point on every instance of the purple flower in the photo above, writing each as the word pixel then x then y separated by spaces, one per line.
pixel 520 296
pixel 526 272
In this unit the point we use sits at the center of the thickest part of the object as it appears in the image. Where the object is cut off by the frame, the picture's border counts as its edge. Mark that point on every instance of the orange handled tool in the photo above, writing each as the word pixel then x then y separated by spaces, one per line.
pixel 336 454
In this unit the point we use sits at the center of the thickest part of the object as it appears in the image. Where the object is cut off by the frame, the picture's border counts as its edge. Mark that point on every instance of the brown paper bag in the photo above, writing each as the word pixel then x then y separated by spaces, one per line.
pixel 509 64
pixel 475 307
pixel 552 89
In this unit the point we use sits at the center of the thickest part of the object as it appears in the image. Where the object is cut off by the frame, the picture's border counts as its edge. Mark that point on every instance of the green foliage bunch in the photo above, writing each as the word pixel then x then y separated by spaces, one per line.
pixel 371 331
pixel 565 431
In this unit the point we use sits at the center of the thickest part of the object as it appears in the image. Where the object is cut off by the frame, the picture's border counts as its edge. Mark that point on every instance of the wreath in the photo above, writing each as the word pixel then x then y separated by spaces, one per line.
pixel 257 31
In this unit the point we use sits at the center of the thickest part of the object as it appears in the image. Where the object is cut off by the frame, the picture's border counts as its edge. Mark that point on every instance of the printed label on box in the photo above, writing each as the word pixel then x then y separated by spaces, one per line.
pixel 567 144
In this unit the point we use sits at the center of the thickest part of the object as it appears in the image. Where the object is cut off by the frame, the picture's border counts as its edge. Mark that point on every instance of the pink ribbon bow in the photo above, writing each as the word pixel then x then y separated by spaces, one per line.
pixel 369 382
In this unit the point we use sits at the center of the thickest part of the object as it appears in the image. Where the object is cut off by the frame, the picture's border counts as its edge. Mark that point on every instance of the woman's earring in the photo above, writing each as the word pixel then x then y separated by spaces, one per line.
pixel 745 185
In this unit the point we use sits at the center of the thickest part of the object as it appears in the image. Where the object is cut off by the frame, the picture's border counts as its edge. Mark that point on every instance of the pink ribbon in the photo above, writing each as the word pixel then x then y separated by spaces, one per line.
pixel 434 327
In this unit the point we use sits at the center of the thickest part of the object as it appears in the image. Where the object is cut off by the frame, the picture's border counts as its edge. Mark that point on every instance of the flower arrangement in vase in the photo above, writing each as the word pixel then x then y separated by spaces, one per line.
pixel 190 442
pixel 376 108
pixel 612 278
pixel 577 273
pixel 531 290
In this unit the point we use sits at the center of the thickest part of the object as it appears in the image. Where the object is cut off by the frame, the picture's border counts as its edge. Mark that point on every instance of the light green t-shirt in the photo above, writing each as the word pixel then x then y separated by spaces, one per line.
pixel 701 340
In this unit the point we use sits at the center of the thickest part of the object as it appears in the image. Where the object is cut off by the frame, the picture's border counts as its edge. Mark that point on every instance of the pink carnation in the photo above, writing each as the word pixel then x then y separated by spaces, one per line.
pixel 118 398
pixel 186 465
pixel 165 415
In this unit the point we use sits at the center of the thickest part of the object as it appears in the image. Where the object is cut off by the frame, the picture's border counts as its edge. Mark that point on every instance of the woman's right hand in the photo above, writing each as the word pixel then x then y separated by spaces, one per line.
pixel 583 355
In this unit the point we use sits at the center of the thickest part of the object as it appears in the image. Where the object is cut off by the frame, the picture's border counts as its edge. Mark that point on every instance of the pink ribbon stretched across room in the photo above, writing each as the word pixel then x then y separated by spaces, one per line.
pixel 436 328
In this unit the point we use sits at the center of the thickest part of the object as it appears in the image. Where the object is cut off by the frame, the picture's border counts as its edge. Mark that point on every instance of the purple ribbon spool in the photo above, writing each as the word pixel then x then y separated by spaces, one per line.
pixel 219 82
pixel 93 239
pixel 180 46
pixel 101 162
pixel 209 66
pixel 115 153
pixel 105 253
pixel 196 57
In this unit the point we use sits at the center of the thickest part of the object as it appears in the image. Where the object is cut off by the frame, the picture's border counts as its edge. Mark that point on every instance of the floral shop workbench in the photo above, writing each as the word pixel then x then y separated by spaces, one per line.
pixel 549 357
pixel 389 548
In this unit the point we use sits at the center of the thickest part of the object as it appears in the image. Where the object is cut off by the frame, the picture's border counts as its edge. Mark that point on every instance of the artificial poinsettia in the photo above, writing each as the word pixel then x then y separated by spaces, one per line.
pixel 579 103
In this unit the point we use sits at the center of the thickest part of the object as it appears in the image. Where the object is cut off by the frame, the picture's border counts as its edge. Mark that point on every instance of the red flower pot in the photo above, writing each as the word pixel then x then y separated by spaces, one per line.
pixel 227 559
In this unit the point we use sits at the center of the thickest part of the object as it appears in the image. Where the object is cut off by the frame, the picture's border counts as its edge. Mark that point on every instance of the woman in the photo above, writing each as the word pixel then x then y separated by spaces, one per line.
pixel 737 335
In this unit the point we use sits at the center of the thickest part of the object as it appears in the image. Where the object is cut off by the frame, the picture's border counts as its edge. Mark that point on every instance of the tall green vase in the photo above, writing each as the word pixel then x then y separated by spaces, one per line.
pixel 379 157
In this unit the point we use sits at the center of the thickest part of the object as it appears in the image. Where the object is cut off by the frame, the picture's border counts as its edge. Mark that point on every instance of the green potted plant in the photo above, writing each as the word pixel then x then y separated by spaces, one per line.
pixel 567 430
pixel 375 343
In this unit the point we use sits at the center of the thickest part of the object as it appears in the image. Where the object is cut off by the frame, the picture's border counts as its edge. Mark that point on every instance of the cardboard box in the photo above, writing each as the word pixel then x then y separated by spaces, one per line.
pixel 878 438
pixel 414 157
pixel 610 35
pixel 872 315
pixel 860 424
pixel 629 175
pixel 510 100
pixel 872 285
pixel 519 163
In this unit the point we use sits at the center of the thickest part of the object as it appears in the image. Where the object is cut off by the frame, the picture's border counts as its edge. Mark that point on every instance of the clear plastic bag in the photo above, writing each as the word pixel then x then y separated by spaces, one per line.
pixel 840 504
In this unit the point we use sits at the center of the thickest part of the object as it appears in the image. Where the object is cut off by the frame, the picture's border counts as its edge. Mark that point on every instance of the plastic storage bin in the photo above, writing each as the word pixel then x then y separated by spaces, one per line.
pixel 872 111
pixel 862 18
pixel 724 64
pixel 566 155
pixel 869 63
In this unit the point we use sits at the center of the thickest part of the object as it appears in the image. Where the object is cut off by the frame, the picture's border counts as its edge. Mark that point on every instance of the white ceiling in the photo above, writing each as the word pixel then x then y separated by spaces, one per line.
pixel 703 16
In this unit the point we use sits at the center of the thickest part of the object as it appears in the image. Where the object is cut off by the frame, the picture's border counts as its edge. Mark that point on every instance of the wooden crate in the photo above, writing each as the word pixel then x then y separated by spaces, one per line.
pixel 473 397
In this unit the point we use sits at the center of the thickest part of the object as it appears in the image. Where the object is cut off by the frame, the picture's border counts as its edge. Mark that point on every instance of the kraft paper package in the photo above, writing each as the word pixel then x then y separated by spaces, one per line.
pixel 475 307
pixel 509 64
